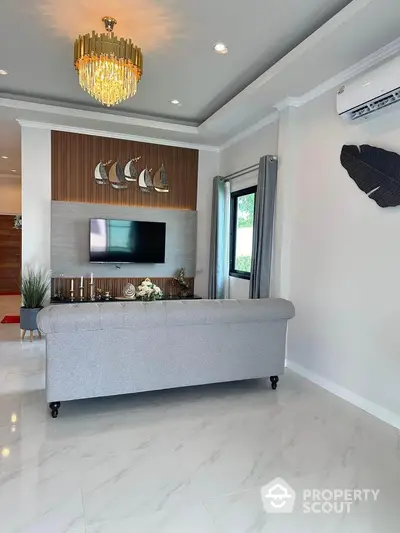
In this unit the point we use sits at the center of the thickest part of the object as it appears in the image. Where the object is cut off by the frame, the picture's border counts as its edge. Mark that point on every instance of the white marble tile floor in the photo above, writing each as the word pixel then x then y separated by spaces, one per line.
pixel 184 461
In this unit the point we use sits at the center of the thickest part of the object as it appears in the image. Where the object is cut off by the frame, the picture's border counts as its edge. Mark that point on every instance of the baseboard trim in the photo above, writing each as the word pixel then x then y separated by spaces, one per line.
pixel 366 405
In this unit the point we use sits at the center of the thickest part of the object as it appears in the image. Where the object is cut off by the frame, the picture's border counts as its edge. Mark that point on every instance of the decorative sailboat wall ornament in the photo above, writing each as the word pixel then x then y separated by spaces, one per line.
pixel 117 177
pixel 100 173
pixel 149 180
pixel 131 174
pixel 145 181
pixel 160 180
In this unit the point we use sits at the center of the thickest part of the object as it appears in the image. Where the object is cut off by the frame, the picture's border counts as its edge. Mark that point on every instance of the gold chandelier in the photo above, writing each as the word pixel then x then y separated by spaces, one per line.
pixel 109 68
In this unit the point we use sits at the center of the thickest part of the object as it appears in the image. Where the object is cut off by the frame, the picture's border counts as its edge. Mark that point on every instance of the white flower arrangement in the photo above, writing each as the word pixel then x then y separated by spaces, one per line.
pixel 147 290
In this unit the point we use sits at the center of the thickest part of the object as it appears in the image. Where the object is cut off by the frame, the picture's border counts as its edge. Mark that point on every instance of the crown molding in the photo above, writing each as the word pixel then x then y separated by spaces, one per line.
pixel 288 102
pixel 384 53
pixel 79 113
pixel 269 119
pixel 115 135
pixel 220 123
pixel 310 42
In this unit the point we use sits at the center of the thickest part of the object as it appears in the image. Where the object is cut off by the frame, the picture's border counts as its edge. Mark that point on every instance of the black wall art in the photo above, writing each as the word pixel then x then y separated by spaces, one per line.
pixel 375 171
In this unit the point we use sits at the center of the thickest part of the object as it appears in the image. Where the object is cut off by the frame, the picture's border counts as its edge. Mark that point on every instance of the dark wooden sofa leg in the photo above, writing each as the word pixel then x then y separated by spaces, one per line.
pixel 274 381
pixel 54 406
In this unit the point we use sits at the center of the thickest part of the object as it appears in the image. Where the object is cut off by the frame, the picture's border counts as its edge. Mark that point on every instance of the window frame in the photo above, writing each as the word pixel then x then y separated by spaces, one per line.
pixel 233 230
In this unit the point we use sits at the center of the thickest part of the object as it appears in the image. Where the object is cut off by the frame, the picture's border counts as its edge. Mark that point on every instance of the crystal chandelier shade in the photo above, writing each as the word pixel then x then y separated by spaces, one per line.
pixel 109 68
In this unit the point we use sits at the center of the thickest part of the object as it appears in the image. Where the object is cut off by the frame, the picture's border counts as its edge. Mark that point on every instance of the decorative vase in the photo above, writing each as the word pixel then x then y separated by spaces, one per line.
pixel 129 291
pixel 28 318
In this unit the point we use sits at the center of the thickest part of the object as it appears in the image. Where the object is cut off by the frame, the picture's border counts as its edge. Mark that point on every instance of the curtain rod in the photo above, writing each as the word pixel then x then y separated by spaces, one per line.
pixel 242 172
pixel 247 170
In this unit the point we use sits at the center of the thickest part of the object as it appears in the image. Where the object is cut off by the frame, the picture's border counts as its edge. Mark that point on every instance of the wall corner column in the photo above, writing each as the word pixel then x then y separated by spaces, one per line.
pixel 209 162
pixel 288 142
pixel 36 196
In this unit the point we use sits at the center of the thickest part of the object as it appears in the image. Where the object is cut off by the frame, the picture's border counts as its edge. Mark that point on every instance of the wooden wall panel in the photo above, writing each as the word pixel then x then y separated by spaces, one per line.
pixel 75 156
pixel 115 285
pixel 10 256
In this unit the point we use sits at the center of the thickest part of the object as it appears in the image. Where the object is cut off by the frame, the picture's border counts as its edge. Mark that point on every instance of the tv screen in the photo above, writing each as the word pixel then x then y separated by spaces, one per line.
pixel 126 241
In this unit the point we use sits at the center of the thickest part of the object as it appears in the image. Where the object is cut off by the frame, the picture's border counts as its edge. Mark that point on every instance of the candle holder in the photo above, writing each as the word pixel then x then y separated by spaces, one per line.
pixel 92 293
pixel 71 295
pixel 81 294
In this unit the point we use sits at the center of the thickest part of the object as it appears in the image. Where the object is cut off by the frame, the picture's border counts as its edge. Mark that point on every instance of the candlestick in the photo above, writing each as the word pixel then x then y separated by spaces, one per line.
pixel 71 295
pixel 72 285
pixel 92 294
pixel 91 277
pixel 81 285
pixel 81 295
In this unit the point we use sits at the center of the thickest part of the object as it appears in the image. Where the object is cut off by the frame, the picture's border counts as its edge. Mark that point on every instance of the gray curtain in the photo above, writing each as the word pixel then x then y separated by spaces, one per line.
pixel 217 270
pixel 263 228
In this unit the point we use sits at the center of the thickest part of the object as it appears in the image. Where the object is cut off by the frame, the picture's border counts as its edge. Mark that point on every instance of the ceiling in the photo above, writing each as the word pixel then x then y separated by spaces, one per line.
pixel 184 66
pixel 177 37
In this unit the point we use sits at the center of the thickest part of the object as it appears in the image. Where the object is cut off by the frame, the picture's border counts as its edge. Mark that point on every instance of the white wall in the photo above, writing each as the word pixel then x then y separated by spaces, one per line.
pixel 36 196
pixel 344 266
pixel 208 168
pixel 10 196
pixel 241 155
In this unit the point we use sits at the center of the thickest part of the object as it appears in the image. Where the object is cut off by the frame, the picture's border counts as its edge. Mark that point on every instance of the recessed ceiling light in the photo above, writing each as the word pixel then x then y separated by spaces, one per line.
pixel 175 102
pixel 13 170
pixel 3 72
pixel 221 48
pixel 4 156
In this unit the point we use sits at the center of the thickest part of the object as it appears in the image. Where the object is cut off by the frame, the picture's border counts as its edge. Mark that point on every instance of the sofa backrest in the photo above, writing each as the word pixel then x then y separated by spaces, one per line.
pixel 117 315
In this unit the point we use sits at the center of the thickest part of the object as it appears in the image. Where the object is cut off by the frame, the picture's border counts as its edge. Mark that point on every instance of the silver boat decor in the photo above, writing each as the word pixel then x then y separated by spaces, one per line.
pixel 131 174
pixel 160 180
pixel 145 181
pixel 119 177
pixel 116 176
pixel 100 173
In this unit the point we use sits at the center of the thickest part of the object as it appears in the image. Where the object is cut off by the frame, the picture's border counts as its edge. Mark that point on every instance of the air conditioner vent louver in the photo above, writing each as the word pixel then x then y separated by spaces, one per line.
pixel 376 104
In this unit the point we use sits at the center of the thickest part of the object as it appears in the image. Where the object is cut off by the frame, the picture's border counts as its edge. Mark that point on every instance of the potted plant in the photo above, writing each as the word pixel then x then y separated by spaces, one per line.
pixel 35 287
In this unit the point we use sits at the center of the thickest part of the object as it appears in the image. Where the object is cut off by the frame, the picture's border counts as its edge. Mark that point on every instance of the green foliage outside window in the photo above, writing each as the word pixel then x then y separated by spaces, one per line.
pixel 245 211
pixel 243 263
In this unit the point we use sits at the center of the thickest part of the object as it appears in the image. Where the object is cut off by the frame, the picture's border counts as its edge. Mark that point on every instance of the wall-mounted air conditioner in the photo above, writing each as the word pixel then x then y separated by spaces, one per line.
pixel 371 92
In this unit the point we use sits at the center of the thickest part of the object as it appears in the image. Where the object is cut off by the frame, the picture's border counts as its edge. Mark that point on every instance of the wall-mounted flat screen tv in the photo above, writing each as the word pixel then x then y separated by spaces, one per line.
pixel 126 241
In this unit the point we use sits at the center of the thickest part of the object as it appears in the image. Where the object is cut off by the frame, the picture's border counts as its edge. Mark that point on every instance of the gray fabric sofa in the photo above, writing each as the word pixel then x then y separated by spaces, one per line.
pixel 104 349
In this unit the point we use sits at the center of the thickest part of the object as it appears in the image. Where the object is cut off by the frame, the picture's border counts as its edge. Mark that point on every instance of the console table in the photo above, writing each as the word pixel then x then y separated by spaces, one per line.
pixel 164 298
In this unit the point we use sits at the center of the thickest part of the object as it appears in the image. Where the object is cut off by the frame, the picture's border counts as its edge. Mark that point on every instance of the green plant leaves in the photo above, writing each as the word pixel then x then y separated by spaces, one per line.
pixel 35 287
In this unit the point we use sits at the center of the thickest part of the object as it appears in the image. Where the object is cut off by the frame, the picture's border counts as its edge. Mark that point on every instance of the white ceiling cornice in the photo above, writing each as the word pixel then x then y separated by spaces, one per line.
pixel 288 102
pixel 73 112
pixel 216 133
pixel 313 40
pixel 370 61
pixel 269 119
pixel 114 135
pixel 335 82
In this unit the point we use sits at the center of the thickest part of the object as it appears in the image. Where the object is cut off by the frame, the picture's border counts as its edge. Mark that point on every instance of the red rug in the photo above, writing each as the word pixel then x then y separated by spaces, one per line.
pixel 11 294
pixel 10 319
